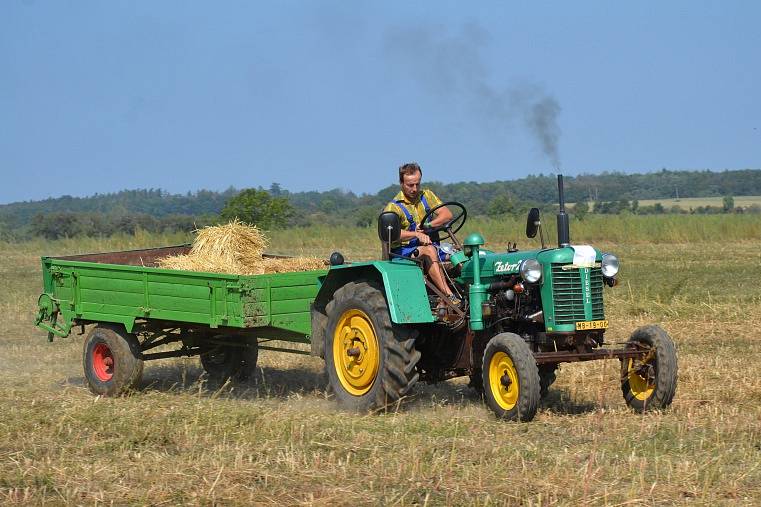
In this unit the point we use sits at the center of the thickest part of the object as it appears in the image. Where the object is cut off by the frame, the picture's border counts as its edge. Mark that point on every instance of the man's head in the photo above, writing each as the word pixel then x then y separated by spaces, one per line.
pixel 409 179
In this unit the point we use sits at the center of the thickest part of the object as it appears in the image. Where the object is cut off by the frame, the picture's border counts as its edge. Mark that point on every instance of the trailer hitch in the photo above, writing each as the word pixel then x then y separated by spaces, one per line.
pixel 47 315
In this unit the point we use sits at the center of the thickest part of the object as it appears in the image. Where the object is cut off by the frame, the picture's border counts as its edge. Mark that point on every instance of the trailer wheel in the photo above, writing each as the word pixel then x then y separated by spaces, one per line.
pixel 370 361
pixel 111 360
pixel 650 384
pixel 510 378
pixel 250 354
pixel 222 362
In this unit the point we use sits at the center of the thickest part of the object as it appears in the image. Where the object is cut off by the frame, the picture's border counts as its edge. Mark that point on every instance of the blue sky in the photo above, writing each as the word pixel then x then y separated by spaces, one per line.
pixel 104 96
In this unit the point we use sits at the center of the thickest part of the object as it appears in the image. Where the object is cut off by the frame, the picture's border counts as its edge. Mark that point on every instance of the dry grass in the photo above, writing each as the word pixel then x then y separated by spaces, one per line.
pixel 687 203
pixel 279 440
pixel 235 248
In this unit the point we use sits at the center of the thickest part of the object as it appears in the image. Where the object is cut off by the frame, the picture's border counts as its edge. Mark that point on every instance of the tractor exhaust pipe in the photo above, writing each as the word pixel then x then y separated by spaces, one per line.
pixel 564 234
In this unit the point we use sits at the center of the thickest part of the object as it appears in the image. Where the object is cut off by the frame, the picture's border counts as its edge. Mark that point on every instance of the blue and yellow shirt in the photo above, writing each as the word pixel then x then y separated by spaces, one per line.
pixel 416 209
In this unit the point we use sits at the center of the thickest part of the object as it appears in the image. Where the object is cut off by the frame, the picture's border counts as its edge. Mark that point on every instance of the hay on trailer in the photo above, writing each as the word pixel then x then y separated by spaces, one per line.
pixel 235 248
pixel 192 263
pixel 285 265
pixel 231 243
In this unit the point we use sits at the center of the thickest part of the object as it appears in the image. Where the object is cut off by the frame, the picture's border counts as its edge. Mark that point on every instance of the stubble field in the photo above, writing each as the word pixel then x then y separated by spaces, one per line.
pixel 280 440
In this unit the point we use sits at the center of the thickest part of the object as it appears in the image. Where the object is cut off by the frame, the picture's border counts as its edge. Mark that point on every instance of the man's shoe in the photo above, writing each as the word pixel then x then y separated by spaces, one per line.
pixel 455 300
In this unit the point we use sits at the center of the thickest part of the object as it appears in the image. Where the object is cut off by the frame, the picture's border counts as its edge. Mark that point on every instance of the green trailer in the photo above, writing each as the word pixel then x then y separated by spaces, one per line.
pixel 139 307
pixel 380 326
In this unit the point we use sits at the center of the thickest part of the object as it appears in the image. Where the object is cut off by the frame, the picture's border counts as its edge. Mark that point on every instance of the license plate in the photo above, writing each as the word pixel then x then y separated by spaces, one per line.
pixel 592 324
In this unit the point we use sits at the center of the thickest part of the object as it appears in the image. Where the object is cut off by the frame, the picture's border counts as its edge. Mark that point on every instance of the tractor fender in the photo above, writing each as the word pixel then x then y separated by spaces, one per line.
pixel 402 282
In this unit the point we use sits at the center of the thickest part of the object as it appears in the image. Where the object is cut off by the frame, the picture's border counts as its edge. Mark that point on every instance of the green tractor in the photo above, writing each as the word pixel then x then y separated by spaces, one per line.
pixel 381 326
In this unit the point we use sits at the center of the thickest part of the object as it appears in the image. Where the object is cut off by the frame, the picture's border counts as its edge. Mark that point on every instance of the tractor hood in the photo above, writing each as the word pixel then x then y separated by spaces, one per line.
pixel 495 265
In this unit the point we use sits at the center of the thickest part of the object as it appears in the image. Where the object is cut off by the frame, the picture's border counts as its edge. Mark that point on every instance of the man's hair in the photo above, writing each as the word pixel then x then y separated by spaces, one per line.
pixel 409 168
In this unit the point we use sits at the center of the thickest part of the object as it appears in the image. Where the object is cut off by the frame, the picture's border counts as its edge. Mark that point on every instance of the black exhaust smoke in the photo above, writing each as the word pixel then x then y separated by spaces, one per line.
pixel 564 234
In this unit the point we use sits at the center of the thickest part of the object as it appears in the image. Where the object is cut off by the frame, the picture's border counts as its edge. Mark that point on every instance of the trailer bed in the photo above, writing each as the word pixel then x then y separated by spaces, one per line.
pixel 128 287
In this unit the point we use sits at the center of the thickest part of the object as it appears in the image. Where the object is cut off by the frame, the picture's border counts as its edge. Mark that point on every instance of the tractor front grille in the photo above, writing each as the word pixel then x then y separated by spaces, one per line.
pixel 568 295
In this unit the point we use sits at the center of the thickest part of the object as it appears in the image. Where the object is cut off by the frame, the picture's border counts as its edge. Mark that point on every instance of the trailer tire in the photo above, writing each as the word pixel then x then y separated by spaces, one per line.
pixel 231 362
pixel 112 360
pixel 510 378
pixel 222 362
pixel 370 361
pixel 650 385
pixel 250 354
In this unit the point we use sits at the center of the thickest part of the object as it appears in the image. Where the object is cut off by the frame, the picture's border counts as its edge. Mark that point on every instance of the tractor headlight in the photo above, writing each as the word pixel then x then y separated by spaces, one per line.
pixel 530 270
pixel 609 265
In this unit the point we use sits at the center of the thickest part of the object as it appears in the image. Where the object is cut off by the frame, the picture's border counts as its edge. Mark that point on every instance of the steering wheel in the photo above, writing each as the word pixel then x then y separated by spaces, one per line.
pixel 449 228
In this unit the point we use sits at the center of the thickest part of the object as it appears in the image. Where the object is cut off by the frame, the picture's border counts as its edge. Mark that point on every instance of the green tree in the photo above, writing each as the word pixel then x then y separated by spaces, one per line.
pixel 728 203
pixel 259 208
pixel 580 209
pixel 501 204
pixel 366 216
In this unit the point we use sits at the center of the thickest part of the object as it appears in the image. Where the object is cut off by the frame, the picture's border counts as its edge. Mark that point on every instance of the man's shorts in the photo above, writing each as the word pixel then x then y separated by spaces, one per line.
pixel 407 250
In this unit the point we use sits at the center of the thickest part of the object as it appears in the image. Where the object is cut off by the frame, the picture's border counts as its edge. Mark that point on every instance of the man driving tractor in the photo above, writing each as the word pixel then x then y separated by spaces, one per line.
pixel 412 204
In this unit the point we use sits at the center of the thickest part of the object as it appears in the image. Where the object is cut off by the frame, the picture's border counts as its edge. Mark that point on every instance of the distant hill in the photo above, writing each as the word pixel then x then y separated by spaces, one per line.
pixel 144 207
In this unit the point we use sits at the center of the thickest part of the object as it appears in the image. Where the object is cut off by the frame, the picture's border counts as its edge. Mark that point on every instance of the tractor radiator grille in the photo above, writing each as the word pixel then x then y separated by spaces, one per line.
pixel 568 295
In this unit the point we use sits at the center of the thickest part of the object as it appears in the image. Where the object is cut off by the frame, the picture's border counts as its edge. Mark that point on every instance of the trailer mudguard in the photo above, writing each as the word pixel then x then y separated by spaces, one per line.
pixel 402 281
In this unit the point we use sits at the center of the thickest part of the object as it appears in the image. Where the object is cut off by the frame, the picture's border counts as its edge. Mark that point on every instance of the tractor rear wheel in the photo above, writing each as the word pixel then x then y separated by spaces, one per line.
pixel 370 361
pixel 111 360
pixel 510 378
pixel 650 383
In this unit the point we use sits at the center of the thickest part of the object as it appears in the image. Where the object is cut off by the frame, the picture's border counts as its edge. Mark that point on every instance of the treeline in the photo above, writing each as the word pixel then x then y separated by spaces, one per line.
pixel 67 225
pixel 633 207
pixel 154 202
pixel 155 210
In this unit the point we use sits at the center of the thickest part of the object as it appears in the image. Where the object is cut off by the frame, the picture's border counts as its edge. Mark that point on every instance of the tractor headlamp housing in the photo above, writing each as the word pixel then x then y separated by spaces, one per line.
pixel 609 265
pixel 530 270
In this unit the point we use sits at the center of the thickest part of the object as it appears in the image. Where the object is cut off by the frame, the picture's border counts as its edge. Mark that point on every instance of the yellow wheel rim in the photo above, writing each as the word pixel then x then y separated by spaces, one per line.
pixel 503 380
pixel 639 386
pixel 356 354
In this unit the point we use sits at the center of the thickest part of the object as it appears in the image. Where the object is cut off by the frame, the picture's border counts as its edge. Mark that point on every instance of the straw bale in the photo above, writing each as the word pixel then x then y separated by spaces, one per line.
pixel 235 248
pixel 233 243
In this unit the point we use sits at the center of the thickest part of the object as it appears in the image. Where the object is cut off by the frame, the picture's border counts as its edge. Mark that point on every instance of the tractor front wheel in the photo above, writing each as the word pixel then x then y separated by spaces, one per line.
pixel 111 360
pixel 370 361
pixel 510 378
pixel 650 383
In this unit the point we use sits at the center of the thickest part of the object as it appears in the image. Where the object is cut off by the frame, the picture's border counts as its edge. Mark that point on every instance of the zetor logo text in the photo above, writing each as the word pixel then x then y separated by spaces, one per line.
pixel 502 267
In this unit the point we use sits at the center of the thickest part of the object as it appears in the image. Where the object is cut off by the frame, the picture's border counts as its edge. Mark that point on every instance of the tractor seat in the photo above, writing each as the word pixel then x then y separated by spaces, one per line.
pixel 389 232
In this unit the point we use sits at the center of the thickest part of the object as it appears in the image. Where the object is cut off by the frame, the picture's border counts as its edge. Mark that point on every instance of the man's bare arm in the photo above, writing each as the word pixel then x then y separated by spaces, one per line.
pixel 422 237
pixel 443 215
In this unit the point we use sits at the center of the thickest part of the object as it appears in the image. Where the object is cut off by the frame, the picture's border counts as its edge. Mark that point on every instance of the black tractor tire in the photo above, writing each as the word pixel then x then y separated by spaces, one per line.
pixel 112 360
pixel 358 317
pixel 650 385
pixel 547 377
pixel 510 378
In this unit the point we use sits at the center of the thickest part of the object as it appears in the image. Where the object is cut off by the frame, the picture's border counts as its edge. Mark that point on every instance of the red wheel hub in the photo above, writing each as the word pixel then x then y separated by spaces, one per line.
pixel 103 362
